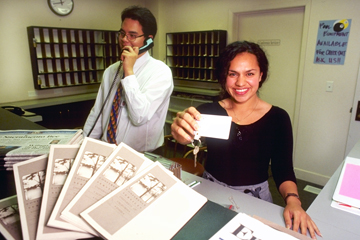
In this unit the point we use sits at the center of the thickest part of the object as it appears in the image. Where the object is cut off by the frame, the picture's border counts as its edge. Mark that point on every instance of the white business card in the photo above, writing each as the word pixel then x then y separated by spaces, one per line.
pixel 214 126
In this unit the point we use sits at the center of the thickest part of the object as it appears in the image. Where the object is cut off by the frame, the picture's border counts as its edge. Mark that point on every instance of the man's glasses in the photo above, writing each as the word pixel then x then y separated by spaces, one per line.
pixel 129 36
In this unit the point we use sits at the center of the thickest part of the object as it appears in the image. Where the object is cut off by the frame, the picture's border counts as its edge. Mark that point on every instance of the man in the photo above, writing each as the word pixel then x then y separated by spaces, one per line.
pixel 145 85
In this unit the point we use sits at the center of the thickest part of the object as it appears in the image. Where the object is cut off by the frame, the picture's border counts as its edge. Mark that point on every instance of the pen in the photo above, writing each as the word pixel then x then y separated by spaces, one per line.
pixel 233 203
pixel 346 205
pixel 194 184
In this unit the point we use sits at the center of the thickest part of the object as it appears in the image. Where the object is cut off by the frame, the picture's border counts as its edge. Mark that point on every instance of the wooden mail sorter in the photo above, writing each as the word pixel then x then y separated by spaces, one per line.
pixel 192 55
pixel 64 57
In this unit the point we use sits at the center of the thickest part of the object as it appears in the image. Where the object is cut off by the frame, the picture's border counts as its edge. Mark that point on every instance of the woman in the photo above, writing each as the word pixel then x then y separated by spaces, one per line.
pixel 259 133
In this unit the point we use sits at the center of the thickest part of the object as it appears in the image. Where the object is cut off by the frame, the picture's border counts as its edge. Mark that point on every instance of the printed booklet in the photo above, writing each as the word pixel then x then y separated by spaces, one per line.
pixel 92 154
pixel 123 164
pixel 152 205
pixel 60 161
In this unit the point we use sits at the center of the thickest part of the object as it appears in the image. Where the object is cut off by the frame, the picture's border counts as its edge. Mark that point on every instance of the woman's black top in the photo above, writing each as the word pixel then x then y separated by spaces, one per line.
pixel 244 158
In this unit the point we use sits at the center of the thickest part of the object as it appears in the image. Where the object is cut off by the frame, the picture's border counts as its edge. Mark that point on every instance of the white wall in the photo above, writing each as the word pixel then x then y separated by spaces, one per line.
pixel 321 127
pixel 15 67
pixel 324 117
pixel 322 122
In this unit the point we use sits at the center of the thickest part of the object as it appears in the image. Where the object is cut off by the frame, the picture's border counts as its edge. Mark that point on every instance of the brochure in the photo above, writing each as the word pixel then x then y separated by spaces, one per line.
pixel 347 190
pixel 29 182
pixel 10 226
pixel 243 226
pixel 60 161
pixel 152 205
pixel 123 164
pixel 91 155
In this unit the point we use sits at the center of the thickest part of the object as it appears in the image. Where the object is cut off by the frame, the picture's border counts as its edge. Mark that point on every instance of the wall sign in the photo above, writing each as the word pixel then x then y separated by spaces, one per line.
pixel 332 41
pixel 269 42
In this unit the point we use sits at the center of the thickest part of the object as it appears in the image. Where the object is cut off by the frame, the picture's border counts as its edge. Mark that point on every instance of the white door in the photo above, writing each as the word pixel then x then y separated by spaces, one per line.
pixel 279 32
pixel 354 129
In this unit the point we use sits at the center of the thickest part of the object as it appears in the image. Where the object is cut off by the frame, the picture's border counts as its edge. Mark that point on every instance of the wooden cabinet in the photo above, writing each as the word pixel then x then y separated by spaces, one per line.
pixel 64 57
pixel 64 116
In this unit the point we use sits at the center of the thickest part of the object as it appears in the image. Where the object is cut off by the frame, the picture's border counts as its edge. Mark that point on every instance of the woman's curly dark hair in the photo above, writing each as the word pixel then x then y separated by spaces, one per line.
pixel 230 52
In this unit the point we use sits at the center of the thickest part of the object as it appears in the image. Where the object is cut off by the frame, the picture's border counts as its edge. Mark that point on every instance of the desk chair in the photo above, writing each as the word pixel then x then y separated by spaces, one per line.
pixel 172 149
pixel 179 153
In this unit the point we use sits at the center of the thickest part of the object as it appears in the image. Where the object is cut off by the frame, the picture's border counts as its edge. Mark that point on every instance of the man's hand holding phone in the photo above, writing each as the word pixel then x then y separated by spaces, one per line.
pixel 128 57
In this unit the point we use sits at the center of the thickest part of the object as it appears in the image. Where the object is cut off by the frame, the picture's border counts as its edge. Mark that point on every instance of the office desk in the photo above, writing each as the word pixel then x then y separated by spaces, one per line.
pixel 213 215
pixel 333 223
pixel 11 121
pixel 246 203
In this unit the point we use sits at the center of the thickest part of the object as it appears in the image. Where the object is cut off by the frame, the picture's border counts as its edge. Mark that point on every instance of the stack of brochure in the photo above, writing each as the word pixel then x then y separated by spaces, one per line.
pixel 346 196
pixel 21 145
pixel 97 190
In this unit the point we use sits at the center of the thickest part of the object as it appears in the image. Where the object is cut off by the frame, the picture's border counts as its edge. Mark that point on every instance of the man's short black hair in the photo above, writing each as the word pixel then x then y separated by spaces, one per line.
pixel 145 18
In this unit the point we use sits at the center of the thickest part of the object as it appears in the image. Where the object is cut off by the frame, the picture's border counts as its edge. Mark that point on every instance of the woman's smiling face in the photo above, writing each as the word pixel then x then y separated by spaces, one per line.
pixel 242 82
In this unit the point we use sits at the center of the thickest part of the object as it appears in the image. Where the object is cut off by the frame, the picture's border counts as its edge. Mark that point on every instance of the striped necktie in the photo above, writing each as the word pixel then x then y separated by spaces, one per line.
pixel 112 127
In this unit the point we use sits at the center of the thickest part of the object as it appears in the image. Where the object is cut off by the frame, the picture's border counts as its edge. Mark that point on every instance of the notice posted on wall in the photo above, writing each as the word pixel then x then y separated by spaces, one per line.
pixel 332 41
